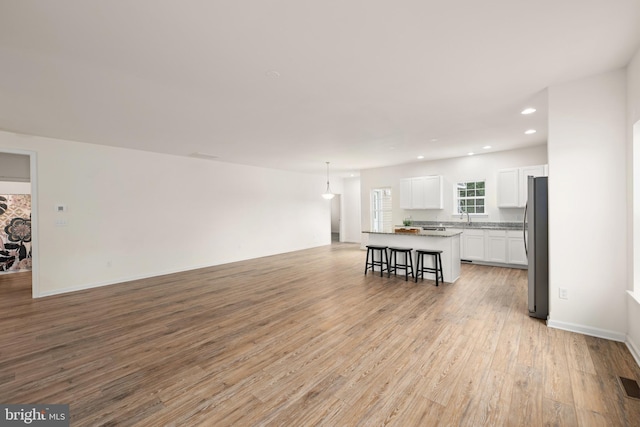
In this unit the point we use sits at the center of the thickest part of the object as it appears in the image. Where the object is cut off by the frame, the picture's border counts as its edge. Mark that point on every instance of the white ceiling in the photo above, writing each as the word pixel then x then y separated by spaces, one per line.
pixel 291 84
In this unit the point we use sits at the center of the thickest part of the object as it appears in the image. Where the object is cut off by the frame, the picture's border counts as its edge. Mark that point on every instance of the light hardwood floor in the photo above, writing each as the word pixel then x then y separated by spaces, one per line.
pixel 306 339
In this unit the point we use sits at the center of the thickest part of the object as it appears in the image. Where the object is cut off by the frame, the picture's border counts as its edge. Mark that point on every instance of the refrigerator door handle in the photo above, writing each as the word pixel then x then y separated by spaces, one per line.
pixel 524 229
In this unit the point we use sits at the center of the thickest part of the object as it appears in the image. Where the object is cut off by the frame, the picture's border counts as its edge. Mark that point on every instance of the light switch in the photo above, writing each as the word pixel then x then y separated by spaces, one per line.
pixel 563 293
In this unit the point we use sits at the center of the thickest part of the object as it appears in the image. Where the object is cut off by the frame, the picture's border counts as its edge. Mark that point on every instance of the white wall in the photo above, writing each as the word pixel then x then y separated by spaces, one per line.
pixel 588 205
pixel 351 230
pixel 633 150
pixel 456 170
pixel 136 214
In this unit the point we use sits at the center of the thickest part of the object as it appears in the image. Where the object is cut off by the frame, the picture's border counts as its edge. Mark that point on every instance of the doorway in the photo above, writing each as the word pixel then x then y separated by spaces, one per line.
pixel 336 204
pixel 19 207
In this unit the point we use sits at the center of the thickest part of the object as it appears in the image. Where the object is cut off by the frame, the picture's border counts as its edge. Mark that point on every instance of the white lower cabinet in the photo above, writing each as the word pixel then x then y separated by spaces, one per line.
pixel 515 248
pixel 474 245
pixel 496 246
pixel 493 246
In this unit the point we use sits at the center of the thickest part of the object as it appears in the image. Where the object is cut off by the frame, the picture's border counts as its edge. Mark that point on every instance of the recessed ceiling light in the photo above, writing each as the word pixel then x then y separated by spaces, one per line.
pixel 528 110
pixel 530 132
pixel 434 139
pixel 420 157
pixel 486 147
pixel 471 153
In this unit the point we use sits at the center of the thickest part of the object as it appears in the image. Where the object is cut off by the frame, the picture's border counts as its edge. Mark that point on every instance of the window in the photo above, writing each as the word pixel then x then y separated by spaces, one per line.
pixel 470 197
pixel 381 210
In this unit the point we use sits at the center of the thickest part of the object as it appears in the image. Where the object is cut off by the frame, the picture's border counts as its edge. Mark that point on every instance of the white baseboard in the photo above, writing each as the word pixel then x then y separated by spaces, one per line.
pixel 116 281
pixel 587 330
pixel 634 349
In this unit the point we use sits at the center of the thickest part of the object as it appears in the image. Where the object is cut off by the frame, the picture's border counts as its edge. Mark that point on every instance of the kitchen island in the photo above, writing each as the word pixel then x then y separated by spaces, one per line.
pixel 446 241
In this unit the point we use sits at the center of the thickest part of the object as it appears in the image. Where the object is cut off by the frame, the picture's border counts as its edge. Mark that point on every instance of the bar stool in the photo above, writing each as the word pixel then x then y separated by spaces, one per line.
pixel 383 263
pixel 394 266
pixel 437 264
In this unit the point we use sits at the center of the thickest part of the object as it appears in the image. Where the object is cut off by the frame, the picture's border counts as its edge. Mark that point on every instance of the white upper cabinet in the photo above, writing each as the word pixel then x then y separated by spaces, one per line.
pixel 433 192
pixel 423 192
pixel 508 188
pixel 418 196
pixel 406 198
pixel 526 172
pixel 512 185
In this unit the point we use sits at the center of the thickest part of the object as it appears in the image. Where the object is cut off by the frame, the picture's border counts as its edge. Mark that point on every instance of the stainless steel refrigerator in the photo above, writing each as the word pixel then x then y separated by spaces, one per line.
pixel 536 239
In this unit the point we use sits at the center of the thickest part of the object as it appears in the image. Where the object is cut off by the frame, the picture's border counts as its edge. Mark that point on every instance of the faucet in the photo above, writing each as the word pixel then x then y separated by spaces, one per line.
pixel 462 212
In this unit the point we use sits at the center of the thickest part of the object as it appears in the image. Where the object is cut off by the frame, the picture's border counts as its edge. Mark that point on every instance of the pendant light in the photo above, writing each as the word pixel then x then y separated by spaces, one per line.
pixel 328 194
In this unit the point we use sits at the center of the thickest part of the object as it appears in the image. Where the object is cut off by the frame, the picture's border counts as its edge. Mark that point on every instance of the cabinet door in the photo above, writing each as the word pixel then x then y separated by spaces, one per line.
pixel 418 195
pixel 540 170
pixel 509 188
pixel 405 193
pixel 497 246
pixel 433 192
pixel 515 248
pixel 474 245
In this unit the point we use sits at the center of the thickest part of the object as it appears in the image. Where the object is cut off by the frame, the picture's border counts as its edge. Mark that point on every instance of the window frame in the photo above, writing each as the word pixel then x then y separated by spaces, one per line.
pixel 470 186
pixel 379 208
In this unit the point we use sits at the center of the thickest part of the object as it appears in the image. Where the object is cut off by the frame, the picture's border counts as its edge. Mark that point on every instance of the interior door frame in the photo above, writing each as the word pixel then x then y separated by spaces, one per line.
pixel 35 253
pixel 336 203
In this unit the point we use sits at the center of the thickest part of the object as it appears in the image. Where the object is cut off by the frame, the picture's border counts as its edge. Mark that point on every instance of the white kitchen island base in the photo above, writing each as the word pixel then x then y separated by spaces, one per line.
pixel 446 241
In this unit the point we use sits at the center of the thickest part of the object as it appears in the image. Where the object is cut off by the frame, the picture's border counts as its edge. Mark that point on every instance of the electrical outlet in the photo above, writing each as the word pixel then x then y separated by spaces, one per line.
pixel 563 293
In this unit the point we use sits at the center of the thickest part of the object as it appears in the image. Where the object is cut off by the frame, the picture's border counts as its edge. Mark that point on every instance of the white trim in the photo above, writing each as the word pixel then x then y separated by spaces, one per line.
pixel 35 253
pixel 635 296
pixel 633 349
pixel 35 239
pixel 484 198
pixel 587 330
